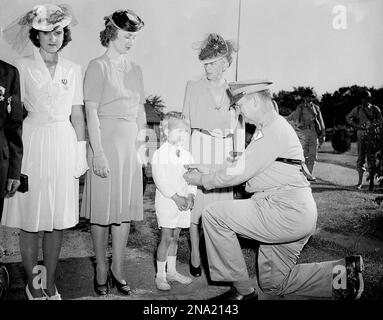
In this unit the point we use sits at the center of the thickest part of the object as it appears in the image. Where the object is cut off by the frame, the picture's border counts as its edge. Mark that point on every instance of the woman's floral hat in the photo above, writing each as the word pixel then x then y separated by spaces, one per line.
pixel 47 17
pixel 214 48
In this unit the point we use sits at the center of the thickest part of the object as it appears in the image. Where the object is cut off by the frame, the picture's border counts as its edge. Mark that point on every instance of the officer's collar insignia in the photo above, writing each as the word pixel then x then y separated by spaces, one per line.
pixel 257 135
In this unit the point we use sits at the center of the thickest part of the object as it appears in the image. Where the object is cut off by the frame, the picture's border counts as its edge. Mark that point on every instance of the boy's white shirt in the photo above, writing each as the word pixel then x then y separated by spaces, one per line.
pixel 168 170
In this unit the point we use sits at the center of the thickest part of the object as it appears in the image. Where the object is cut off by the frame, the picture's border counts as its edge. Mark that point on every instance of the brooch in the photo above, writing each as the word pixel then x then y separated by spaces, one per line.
pixel 2 93
pixel 64 81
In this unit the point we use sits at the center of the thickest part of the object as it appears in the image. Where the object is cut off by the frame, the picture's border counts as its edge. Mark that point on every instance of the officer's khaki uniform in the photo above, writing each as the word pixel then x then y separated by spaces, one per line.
pixel 282 215
pixel 305 116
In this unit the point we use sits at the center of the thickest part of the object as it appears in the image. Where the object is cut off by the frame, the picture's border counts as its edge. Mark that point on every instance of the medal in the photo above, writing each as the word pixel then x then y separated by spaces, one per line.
pixel 2 93
pixel 9 107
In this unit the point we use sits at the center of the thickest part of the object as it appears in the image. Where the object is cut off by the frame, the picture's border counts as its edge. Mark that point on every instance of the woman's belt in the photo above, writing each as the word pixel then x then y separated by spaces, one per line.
pixel 118 117
pixel 207 132
pixel 44 118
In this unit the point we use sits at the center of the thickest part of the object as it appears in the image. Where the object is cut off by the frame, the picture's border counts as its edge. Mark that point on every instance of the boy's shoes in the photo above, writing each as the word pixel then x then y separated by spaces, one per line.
pixel 179 278
pixel 162 284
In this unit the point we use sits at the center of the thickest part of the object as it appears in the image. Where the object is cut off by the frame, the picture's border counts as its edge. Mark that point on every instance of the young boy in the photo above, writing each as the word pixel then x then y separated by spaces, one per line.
pixel 174 197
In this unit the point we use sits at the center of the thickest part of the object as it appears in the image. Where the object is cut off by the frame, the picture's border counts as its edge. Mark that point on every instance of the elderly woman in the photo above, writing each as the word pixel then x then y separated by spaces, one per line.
pixel 114 98
pixel 206 105
pixel 51 90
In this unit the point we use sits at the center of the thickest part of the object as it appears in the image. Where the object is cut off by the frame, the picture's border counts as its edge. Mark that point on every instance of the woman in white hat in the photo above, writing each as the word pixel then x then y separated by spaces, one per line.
pixel 54 143
pixel 114 103
pixel 207 107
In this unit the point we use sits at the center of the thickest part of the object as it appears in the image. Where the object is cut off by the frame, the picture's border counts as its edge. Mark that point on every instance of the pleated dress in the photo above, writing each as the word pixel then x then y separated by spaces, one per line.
pixel 119 91
pixel 50 142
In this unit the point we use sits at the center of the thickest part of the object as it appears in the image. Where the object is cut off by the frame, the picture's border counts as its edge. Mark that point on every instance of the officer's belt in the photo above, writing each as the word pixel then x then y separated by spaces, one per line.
pixel 289 161
pixel 307 126
pixel 301 163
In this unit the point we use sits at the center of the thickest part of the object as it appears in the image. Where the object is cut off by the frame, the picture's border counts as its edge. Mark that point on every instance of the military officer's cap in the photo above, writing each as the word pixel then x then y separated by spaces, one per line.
pixel 248 87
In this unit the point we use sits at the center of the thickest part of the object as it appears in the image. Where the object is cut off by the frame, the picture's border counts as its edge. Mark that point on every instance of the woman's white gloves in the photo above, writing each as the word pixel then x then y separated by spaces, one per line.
pixel 81 165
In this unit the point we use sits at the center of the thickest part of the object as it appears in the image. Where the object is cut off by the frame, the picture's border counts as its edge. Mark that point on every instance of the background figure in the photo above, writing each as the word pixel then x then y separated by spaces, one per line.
pixel 54 146
pixel 206 106
pixel 113 195
pixel 361 118
pixel 11 144
pixel 174 197
pixel 311 127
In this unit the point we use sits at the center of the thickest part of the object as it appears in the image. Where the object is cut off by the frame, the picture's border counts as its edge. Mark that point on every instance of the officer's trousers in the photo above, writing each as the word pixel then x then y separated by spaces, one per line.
pixel 309 141
pixel 282 222
pixel 363 153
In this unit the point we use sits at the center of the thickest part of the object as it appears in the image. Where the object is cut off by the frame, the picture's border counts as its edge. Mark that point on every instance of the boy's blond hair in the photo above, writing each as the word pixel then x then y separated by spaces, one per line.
pixel 169 117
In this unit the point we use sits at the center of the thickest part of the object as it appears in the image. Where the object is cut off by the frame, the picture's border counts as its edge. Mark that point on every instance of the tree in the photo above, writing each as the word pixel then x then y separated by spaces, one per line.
pixel 289 100
pixel 157 104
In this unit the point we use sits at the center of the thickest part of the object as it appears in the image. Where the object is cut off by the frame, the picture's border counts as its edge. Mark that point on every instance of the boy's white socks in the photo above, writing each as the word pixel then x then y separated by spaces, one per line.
pixel 171 264
pixel 161 268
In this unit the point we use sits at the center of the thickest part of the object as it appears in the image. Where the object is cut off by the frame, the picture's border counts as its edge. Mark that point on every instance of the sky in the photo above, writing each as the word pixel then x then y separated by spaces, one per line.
pixel 324 44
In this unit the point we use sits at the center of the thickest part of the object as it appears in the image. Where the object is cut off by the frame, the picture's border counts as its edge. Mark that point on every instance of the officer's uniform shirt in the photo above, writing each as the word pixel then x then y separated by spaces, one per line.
pixel 305 114
pixel 361 115
pixel 275 138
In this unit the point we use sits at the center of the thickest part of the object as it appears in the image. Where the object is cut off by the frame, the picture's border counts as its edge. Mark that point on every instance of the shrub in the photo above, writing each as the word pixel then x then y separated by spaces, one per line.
pixel 341 139
pixel 374 145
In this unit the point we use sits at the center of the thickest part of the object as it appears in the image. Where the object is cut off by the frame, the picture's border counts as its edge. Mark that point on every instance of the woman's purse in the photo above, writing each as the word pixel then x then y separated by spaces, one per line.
pixel 23 187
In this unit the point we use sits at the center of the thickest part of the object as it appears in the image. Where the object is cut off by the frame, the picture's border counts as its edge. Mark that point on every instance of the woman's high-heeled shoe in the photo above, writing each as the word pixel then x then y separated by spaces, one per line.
pixel 30 297
pixel 121 287
pixel 101 289
pixel 195 271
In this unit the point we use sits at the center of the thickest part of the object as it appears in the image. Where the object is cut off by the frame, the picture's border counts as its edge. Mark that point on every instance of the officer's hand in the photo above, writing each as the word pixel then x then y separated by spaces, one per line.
pixel 193 177
pixel 12 186
pixel 197 167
